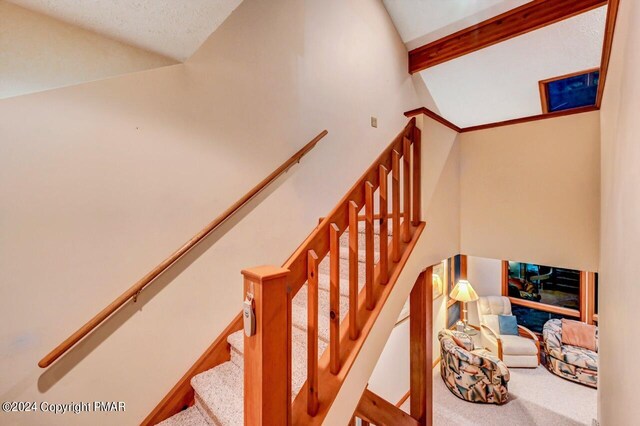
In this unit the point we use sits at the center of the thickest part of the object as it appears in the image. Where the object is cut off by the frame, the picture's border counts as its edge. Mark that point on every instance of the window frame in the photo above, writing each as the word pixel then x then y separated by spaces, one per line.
pixel 450 271
pixel 544 90
pixel 586 313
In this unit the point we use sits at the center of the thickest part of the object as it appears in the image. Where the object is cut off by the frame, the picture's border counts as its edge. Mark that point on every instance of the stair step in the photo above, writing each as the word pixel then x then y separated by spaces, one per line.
pixel 376 226
pixel 189 417
pixel 299 311
pixel 298 350
pixel 219 394
pixel 324 269
pixel 344 241
pixel 362 255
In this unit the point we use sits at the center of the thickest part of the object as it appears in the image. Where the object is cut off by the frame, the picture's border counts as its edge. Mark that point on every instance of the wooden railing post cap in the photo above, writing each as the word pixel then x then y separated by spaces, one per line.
pixel 265 272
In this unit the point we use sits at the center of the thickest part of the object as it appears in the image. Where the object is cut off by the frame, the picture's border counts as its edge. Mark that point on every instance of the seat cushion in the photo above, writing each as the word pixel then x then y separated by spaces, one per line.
pixel 518 345
pixel 577 356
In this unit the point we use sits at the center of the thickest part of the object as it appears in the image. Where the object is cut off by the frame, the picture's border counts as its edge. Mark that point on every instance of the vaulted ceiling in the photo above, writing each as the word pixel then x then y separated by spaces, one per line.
pixel 172 28
pixel 498 82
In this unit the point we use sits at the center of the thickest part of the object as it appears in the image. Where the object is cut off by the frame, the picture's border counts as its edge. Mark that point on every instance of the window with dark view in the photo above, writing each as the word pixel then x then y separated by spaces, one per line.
pixel 544 284
pixel 572 92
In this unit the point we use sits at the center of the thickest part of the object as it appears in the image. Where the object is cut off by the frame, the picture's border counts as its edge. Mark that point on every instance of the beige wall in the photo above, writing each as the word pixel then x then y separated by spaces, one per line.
pixel 99 182
pixel 620 242
pixel 530 192
pixel 39 53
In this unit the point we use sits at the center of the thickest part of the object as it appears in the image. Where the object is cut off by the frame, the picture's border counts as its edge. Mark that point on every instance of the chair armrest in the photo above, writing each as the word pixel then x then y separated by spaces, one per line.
pixel 525 332
pixel 496 336
pixel 491 331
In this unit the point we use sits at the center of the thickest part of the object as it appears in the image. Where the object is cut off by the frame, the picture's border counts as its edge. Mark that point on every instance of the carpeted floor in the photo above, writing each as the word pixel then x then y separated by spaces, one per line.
pixel 536 397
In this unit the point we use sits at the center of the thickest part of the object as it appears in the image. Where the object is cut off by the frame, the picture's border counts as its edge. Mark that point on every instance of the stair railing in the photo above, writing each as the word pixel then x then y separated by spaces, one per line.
pixel 267 353
pixel 134 291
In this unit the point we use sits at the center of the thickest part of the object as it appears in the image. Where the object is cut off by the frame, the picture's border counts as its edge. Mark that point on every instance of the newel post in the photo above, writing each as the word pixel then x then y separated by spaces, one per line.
pixel 267 357
pixel 421 351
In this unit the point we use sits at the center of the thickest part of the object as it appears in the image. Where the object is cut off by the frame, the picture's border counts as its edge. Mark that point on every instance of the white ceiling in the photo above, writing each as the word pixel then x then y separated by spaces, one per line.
pixel 173 28
pixel 500 82
pixel 422 21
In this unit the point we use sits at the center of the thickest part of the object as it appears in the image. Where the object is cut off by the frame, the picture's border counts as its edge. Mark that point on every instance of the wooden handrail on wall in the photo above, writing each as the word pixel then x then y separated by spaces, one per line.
pixel 135 290
pixel 324 377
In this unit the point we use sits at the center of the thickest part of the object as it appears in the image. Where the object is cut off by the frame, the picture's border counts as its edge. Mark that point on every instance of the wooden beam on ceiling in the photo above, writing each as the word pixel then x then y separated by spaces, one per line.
pixel 528 17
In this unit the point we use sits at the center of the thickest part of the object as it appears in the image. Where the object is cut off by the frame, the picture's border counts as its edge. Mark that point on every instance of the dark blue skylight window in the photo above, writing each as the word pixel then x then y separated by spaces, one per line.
pixel 572 92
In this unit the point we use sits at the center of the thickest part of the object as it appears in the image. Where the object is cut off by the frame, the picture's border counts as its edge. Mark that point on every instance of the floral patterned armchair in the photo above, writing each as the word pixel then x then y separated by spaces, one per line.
pixel 571 362
pixel 472 375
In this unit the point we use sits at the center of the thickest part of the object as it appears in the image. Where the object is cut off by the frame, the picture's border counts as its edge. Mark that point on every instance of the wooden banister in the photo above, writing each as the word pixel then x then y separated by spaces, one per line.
pixel 134 290
pixel 374 409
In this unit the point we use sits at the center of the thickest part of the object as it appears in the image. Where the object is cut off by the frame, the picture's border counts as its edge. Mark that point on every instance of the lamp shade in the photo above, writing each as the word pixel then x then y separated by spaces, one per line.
pixel 463 292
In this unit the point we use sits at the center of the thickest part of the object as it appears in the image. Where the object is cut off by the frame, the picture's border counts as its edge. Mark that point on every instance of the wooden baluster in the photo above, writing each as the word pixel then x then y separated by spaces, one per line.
pixel 334 298
pixel 383 174
pixel 395 198
pixel 369 248
pixel 267 362
pixel 353 271
pixel 417 187
pixel 406 187
pixel 312 333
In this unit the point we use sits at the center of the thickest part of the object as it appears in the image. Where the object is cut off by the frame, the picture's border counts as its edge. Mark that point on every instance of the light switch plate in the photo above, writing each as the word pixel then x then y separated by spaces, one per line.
pixel 374 122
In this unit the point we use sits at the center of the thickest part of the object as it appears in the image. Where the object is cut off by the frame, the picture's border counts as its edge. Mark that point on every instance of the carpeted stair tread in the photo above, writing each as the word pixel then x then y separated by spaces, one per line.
pixel 299 311
pixel 324 281
pixel 344 241
pixel 362 255
pixel 298 353
pixel 189 417
pixel 219 394
pixel 324 269
pixel 376 226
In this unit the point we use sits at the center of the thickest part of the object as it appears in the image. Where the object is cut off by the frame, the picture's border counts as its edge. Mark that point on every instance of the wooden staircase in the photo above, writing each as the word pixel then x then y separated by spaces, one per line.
pixel 315 312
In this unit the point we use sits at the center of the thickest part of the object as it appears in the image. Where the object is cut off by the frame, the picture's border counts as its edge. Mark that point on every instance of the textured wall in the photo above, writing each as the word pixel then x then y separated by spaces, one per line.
pixel 40 53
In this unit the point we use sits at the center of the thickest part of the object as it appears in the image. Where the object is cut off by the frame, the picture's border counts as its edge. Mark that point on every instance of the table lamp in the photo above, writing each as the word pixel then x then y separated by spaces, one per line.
pixel 463 292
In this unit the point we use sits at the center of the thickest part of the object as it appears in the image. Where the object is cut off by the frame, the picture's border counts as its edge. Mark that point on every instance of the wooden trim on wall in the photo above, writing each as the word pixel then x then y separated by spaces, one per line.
pixel 591 315
pixel 530 118
pixel 545 307
pixel 544 98
pixel 434 116
pixel 521 20
pixel 508 122
pixel 609 29
pixel 583 301
pixel 463 266
pixel 505 277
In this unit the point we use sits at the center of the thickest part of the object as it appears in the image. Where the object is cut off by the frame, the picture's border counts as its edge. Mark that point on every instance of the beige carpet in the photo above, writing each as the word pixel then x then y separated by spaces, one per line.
pixel 536 397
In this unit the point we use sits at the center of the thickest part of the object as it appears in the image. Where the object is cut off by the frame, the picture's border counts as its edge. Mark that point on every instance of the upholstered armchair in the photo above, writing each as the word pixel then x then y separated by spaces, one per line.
pixel 472 375
pixel 522 350
pixel 568 361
